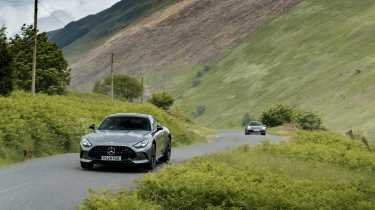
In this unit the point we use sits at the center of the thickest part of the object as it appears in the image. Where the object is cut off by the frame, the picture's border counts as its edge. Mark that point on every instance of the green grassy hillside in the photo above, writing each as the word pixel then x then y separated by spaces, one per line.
pixel 336 174
pixel 93 30
pixel 46 125
pixel 319 57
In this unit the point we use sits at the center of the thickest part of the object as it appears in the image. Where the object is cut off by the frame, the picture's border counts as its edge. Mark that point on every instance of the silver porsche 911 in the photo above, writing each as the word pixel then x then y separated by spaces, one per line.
pixel 126 138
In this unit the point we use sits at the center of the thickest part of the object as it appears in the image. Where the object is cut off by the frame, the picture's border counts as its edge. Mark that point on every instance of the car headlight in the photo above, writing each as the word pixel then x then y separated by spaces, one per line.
pixel 86 143
pixel 264 128
pixel 141 144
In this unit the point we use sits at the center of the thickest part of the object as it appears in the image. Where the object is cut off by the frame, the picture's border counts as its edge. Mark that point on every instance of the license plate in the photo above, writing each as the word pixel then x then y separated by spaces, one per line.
pixel 111 158
pixel 256 130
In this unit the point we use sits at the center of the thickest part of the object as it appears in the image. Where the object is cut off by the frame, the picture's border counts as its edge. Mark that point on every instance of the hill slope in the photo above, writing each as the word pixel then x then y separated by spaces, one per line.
pixel 320 57
pixel 186 33
pixel 86 33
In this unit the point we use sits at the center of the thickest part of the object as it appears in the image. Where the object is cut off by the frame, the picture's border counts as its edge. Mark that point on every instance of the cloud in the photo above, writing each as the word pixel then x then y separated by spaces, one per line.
pixel 15 13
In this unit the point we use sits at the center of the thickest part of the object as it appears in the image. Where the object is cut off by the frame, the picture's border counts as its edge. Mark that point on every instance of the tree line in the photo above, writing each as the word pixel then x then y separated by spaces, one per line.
pixel 53 74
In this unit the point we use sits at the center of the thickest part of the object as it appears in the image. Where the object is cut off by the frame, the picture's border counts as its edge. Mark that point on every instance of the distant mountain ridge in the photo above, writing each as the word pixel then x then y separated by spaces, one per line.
pixel 84 34
pixel 187 33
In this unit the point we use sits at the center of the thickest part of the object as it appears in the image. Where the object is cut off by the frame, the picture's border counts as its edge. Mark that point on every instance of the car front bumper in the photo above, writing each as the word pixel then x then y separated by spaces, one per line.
pixel 130 156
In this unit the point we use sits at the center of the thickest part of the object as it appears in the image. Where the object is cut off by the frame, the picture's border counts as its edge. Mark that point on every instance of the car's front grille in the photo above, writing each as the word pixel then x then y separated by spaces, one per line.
pixel 125 152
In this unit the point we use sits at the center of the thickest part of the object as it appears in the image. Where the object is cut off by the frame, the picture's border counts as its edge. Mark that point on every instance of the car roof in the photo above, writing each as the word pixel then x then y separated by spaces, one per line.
pixel 131 115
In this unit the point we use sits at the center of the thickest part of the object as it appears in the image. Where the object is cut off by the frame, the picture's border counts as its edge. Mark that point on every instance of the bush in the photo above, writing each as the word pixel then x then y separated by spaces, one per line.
pixel 162 100
pixel 309 121
pixel 254 178
pixel 326 147
pixel 200 74
pixel 278 115
pixel 45 125
pixel 199 111
pixel 125 87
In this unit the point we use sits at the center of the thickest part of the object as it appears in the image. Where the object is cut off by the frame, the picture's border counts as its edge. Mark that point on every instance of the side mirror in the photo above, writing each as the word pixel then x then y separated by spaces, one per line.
pixel 92 127
pixel 159 128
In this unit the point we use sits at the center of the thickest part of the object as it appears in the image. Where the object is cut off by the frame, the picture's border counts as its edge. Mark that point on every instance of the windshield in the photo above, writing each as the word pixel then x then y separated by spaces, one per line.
pixel 255 124
pixel 125 123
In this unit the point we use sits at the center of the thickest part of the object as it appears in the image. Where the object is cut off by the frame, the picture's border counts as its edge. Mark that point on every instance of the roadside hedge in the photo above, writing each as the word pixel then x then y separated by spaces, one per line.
pixel 303 174
pixel 45 125
pixel 328 147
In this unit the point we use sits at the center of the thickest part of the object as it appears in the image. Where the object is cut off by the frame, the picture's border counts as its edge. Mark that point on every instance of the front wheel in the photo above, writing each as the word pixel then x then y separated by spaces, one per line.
pixel 87 166
pixel 264 133
pixel 167 154
pixel 151 165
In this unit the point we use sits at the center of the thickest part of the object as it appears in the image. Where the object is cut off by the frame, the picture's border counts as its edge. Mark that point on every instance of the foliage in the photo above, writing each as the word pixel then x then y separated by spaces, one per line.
pixel 328 147
pixel 199 111
pixel 112 201
pixel 45 125
pixel 162 100
pixel 309 121
pixel 199 76
pixel 278 115
pixel 246 119
pixel 125 87
pixel 6 65
pixel 258 178
pixel 53 75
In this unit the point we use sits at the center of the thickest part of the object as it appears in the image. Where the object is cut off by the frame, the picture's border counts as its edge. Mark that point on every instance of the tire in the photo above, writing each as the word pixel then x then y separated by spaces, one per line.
pixel 167 154
pixel 263 134
pixel 87 166
pixel 151 165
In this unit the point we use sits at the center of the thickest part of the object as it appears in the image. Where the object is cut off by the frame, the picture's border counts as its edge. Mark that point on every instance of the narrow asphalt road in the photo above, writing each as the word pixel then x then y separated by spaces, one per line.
pixel 58 182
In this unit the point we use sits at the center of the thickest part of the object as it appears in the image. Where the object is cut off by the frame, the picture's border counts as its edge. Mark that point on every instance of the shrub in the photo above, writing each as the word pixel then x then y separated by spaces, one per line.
pixel 200 74
pixel 250 178
pixel 162 100
pixel 326 147
pixel 309 121
pixel 125 87
pixel 199 111
pixel 278 115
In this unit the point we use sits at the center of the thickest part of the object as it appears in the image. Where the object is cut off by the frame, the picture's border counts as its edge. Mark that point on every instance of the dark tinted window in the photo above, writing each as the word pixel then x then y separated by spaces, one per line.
pixel 255 124
pixel 125 123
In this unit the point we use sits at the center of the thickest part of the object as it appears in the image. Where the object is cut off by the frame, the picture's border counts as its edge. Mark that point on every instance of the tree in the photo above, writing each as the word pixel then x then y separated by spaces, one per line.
pixel 162 100
pixel 6 65
pixel 278 115
pixel 125 87
pixel 53 75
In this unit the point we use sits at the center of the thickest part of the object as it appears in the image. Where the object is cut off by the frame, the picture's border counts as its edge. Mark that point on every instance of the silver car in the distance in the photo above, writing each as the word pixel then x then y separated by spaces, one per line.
pixel 126 138
pixel 255 127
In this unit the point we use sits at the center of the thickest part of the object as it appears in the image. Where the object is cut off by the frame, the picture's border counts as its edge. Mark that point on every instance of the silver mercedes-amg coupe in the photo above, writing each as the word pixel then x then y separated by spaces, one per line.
pixel 126 138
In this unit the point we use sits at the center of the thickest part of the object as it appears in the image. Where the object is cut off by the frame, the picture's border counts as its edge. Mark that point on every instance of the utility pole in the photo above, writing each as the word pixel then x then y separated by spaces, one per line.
pixel 33 89
pixel 112 78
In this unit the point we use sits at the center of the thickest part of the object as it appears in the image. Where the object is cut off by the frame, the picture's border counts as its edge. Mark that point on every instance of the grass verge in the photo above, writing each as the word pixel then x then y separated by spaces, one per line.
pixel 269 176
pixel 46 125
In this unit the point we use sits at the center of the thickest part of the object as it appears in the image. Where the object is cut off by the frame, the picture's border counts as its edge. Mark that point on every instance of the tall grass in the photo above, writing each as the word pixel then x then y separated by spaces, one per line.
pixel 258 178
pixel 45 125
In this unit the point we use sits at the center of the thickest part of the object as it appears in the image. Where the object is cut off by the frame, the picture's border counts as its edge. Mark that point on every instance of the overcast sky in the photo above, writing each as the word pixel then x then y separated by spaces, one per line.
pixel 13 13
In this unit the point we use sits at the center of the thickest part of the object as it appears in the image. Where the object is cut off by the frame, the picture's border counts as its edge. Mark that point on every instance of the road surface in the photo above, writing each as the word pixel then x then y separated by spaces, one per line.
pixel 58 182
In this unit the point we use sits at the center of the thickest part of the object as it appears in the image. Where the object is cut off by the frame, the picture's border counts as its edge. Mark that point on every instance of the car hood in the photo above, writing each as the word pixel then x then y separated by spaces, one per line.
pixel 117 138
